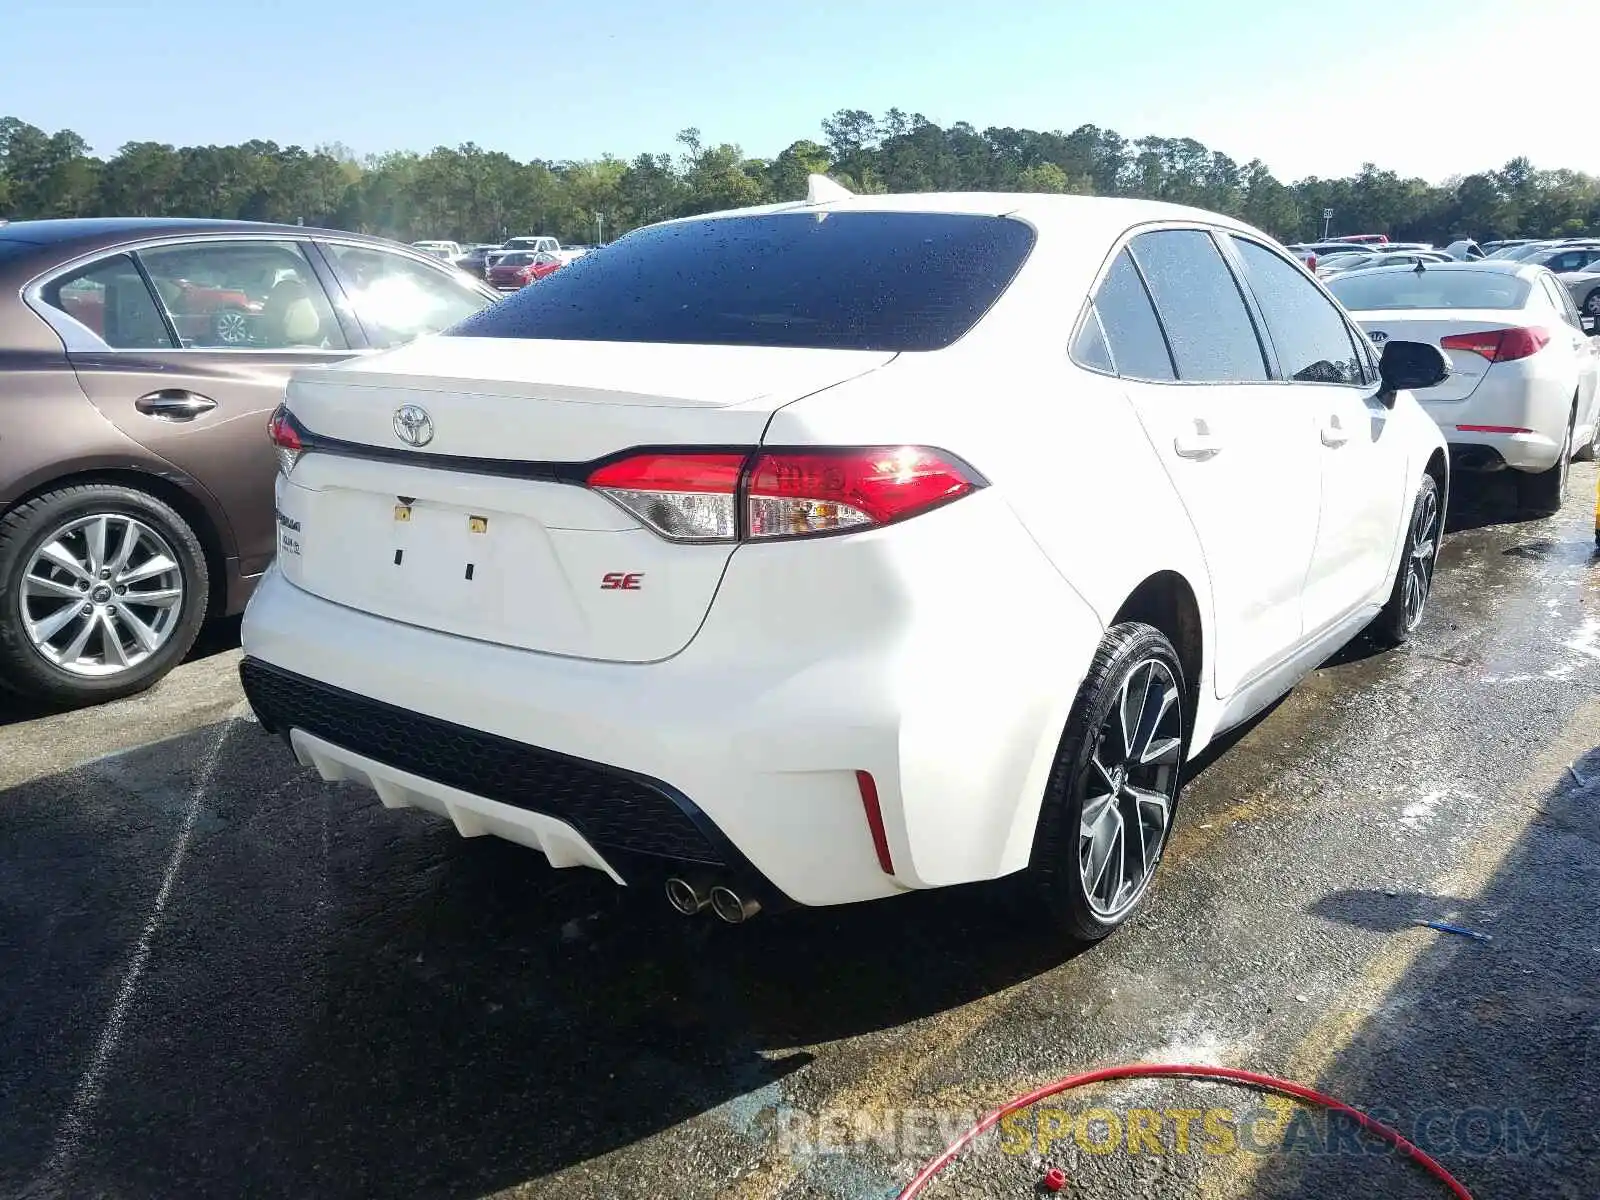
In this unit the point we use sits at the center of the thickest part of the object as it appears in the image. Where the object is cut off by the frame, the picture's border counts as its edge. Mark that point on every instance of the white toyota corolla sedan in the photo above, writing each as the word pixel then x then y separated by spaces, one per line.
pixel 824 551
pixel 1522 391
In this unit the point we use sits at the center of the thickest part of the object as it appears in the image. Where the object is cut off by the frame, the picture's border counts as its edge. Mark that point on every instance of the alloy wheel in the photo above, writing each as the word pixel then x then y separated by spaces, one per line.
pixel 1129 790
pixel 1424 554
pixel 231 328
pixel 101 595
pixel 1591 303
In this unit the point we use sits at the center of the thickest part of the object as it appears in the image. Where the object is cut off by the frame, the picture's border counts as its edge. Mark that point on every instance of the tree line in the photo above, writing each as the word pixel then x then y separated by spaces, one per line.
pixel 467 193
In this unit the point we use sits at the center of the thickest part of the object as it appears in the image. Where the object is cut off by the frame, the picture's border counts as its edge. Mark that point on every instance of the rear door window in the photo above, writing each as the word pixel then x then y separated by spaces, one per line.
pixel 1138 347
pixel 111 299
pixel 248 294
pixel 1207 324
pixel 882 281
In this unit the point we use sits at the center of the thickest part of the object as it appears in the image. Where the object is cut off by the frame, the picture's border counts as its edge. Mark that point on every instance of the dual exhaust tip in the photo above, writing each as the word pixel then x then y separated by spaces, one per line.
pixel 690 898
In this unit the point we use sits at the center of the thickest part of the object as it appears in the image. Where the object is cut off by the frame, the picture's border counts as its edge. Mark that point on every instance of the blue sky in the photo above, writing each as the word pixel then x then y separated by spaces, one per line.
pixel 1436 92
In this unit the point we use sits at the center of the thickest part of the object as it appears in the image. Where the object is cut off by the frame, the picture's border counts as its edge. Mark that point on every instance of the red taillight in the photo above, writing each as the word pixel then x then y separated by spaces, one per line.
pixel 1499 345
pixel 284 435
pixel 1311 262
pixel 686 497
pixel 696 496
pixel 826 492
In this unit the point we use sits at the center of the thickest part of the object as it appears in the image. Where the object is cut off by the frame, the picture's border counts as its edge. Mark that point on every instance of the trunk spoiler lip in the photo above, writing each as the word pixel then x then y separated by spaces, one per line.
pixel 568 472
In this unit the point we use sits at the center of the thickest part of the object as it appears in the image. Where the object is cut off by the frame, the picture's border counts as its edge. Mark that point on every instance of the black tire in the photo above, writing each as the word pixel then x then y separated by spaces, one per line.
pixel 1413 582
pixel 1057 870
pixel 1591 304
pixel 23 530
pixel 1542 495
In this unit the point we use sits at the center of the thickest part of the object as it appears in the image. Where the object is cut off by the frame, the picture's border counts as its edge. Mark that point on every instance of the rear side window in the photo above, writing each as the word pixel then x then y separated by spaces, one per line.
pixel 112 300
pixel 1138 346
pixel 1089 348
pixel 1309 333
pixel 1207 324
pixel 822 280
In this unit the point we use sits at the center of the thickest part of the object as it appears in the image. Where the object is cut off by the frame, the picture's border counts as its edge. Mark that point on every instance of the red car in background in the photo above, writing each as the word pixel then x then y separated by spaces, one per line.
pixel 203 315
pixel 518 268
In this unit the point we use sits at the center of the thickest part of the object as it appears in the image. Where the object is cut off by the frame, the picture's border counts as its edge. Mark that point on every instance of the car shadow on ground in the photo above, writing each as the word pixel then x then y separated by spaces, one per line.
pixel 1480 499
pixel 216 637
pixel 1484 1053
pixel 335 1000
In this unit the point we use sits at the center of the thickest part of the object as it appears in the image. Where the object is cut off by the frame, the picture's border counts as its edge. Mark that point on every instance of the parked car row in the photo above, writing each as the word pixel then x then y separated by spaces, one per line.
pixel 479 259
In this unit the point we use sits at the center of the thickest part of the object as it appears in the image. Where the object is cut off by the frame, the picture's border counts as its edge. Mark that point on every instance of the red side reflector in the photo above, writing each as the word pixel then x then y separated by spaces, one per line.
pixel 1492 429
pixel 869 801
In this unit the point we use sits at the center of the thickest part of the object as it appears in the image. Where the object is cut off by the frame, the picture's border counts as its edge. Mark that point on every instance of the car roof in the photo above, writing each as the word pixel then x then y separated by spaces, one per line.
pixel 89 233
pixel 1086 216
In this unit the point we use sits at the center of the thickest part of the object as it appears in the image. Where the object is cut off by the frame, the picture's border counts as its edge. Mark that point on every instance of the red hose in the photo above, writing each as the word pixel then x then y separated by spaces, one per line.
pixel 1267 1083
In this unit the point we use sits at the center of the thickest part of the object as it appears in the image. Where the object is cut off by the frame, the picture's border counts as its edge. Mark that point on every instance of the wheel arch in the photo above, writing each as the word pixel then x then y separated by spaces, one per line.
pixel 195 511
pixel 1167 600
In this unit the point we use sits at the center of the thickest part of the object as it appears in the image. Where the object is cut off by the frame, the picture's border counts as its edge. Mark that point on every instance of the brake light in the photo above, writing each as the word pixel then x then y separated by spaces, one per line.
pixel 1500 345
pixel 286 438
pixel 684 497
pixel 1311 262
pixel 834 490
pixel 710 496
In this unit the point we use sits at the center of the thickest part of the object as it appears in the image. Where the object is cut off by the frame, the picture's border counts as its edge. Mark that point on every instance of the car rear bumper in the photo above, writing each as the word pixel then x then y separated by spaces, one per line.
pixel 741 754
pixel 1508 401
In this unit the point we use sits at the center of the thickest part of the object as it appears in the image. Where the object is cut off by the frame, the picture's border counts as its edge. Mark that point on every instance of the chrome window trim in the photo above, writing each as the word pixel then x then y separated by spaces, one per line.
pixel 79 338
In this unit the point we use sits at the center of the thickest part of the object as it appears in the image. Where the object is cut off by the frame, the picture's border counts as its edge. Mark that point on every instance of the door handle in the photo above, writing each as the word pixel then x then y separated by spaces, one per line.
pixel 1333 433
pixel 174 404
pixel 1198 444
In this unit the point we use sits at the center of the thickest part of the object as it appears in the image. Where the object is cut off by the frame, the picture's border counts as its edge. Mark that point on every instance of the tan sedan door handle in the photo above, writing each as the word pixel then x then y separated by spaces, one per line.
pixel 174 404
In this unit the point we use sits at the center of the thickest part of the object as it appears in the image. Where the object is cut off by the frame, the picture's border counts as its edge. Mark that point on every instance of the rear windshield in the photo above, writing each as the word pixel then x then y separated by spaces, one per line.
pixel 1411 288
pixel 834 281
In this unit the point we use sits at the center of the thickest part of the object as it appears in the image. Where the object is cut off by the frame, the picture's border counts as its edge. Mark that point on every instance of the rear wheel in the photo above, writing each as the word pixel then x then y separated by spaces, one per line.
pixel 1542 494
pixel 103 589
pixel 231 326
pixel 1414 582
pixel 1112 793
pixel 1591 303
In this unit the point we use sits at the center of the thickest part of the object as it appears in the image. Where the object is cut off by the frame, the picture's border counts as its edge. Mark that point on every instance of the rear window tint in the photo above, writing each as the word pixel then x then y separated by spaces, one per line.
pixel 1394 289
pixel 835 281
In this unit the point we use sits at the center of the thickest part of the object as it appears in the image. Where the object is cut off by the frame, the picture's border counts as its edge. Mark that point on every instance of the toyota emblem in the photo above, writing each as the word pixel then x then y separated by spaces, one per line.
pixel 413 425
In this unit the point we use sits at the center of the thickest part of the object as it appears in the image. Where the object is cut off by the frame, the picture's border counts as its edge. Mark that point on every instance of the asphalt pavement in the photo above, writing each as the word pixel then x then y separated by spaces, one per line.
pixel 223 977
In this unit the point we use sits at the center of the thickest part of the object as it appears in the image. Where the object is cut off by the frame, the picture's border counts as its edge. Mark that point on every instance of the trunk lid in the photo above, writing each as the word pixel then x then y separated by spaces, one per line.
pixel 1429 325
pixel 534 563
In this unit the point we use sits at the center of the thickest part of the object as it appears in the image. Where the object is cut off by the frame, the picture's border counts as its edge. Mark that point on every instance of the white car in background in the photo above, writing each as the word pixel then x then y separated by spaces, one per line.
pixel 1522 388
pixel 926 545
pixel 1584 288
pixel 449 251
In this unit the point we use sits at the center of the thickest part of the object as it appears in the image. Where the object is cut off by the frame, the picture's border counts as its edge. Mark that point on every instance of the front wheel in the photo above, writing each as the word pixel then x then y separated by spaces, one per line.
pixel 1591 303
pixel 1414 582
pixel 1112 793
pixel 103 589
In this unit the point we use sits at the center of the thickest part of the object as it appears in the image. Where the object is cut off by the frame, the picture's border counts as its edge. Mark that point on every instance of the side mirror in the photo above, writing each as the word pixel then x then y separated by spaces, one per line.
pixel 1408 366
